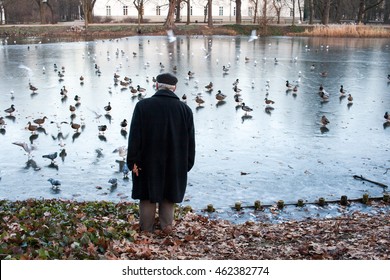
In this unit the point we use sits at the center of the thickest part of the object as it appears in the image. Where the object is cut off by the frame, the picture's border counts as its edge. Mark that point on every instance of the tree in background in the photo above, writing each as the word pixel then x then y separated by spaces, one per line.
pixel 238 12
pixel 170 21
pixel 87 6
pixel 139 6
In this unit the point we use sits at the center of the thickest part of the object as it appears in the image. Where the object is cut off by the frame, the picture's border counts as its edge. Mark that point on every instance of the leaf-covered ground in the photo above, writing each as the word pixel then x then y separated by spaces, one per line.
pixel 54 229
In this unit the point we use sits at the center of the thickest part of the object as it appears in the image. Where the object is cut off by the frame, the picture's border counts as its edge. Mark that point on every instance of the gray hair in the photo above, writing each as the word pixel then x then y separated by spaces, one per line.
pixel 166 86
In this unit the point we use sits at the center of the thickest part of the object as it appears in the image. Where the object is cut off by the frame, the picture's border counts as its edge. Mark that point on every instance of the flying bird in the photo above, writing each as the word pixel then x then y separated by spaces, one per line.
pixel 27 148
pixel 253 36
pixel 171 36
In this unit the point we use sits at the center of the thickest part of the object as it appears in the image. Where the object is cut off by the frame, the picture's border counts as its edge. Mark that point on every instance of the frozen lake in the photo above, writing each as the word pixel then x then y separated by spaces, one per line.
pixel 268 155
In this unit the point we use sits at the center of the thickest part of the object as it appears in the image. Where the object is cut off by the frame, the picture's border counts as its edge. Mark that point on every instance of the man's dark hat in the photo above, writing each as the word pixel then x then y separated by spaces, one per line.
pixel 167 78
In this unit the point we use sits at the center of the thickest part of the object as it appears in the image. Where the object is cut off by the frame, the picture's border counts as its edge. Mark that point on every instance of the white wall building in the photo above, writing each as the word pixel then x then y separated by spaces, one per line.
pixel 223 10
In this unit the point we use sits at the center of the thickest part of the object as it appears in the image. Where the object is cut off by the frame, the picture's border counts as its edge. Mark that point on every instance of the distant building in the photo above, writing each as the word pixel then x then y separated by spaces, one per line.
pixel 223 10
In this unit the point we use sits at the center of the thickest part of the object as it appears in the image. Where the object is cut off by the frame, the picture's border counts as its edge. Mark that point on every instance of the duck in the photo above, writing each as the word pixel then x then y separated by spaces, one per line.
pixel 220 96
pixel 102 128
pixel 237 98
pixel 225 69
pixel 81 79
pixel 199 100
pixel 72 108
pixel 387 117
pixel 40 121
pixel 52 156
pixel 350 98
pixel 32 88
pixel 108 107
pixel 236 89
pixel 124 124
pixel 184 97
pixel 246 108
pixel 269 101
pixel 289 86
pixel 77 98
pixel 342 90
pixel 75 126
pixel 140 89
pixel 190 74
pixel 2 122
pixel 324 120
pixel 32 128
pixel 10 110
pixel 235 83
pixel 209 87
pixel 312 67
pixel 133 90
pixel 63 91
pixel 116 76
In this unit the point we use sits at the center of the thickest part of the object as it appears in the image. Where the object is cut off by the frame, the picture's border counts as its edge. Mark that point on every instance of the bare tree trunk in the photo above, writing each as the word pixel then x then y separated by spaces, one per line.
pixel 210 13
pixel 293 12
pixel 178 12
pixel 311 11
pixel 256 7
pixel 264 14
pixel 170 22
pixel 188 12
pixel 325 16
pixel 238 11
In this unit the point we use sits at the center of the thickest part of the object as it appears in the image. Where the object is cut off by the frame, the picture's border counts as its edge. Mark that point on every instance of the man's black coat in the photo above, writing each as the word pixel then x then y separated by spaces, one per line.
pixel 162 145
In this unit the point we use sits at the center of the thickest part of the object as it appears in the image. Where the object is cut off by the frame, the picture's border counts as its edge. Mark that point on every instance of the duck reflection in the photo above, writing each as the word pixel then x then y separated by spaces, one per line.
pixel 53 166
pixel 33 137
pixel 386 125
pixel 102 138
pixel 32 164
pixel 2 131
pixel 75 136
pixel 220 103
pixel 63 154
pixel 124 133
pixel 11 118
pixel 246 117
pixel 324 129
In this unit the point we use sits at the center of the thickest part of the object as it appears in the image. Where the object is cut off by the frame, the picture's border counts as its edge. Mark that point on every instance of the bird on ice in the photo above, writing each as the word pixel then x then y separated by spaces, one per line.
pixel 51 156
pixel 55 184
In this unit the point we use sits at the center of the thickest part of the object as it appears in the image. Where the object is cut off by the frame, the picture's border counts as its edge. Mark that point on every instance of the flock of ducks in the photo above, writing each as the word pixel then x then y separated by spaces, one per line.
pixel 35 125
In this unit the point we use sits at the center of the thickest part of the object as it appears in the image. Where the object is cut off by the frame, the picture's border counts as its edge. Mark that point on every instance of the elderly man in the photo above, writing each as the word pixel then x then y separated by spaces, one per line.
pixel 161 151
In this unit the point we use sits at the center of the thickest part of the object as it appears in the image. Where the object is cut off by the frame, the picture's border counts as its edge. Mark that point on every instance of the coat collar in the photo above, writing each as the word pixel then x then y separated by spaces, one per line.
pixel 166 93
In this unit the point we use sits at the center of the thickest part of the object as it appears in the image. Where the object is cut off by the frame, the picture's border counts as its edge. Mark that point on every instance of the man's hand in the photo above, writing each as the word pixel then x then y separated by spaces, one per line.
pixel 135 169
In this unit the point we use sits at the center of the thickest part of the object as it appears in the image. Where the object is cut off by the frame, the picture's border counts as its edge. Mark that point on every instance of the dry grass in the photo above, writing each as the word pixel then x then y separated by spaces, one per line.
pixel 356 31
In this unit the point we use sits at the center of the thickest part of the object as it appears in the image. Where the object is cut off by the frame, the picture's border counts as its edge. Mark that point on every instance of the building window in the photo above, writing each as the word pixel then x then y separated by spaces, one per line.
pixel 250 11
pixel 158 10
pixel 191 11
pixel 234 11
pixel 125 10
pixel 291 12
pixel 108 11
pixel 221 11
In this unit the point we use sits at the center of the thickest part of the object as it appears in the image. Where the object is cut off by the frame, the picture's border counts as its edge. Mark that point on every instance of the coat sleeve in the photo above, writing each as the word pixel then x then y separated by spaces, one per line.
pixel 191 142
pixel 135 136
